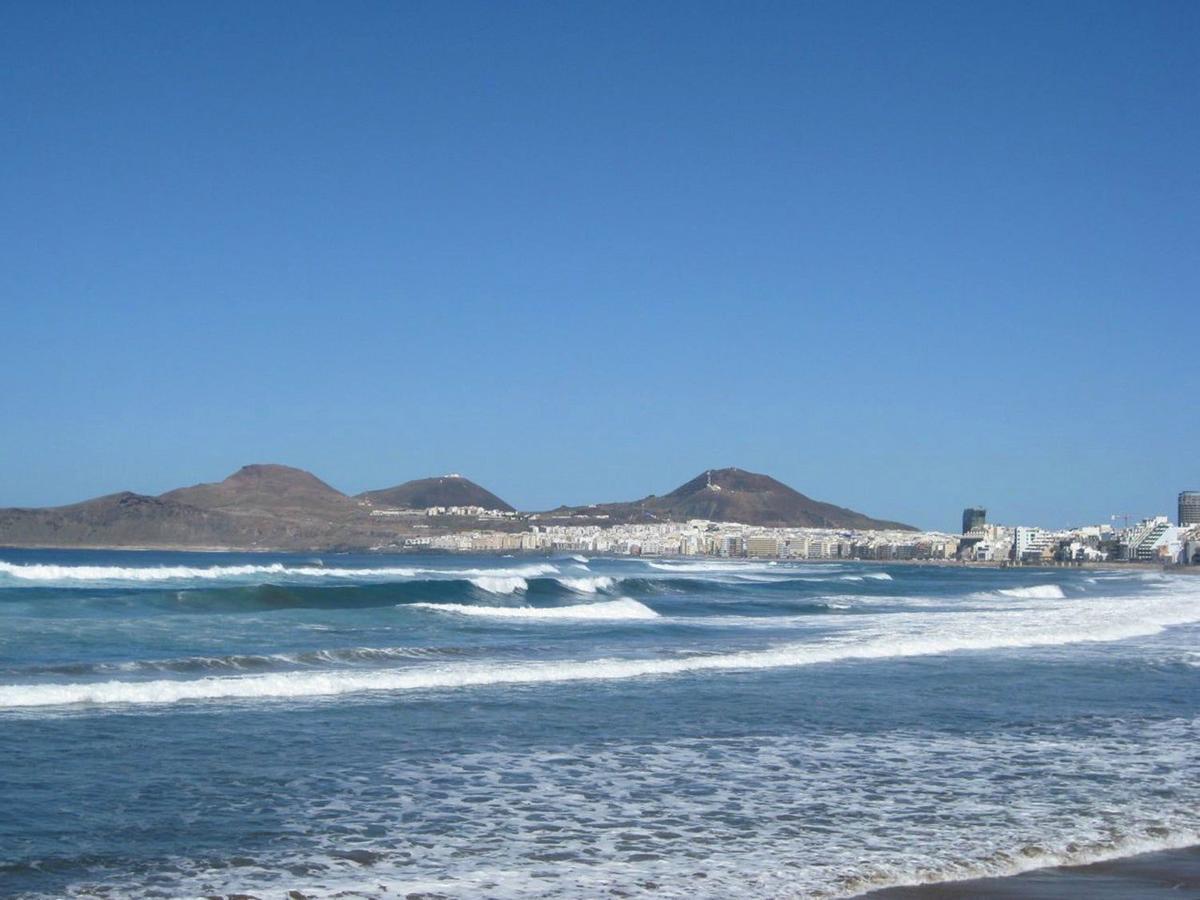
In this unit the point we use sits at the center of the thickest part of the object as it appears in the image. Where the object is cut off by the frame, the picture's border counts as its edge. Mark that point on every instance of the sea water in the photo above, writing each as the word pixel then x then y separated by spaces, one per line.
pixel 177 725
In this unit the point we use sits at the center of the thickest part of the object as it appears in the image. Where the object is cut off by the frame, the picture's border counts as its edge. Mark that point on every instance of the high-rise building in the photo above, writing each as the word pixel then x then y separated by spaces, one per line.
pixel 1189 508
pixel 762 547
pixel 1142 542
pixel 1030 544
pixel 973 517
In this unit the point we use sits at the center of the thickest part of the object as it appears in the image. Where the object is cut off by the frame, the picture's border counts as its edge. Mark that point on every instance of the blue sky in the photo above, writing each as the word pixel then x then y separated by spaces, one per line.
pixel 905 257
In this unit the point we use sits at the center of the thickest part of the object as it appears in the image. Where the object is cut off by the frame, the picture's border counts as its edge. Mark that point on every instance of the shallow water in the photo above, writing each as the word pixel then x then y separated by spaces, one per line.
pixel 190 724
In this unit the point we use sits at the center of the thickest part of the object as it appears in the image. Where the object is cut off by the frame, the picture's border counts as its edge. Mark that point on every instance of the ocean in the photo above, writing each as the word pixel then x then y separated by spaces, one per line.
pixel 186 724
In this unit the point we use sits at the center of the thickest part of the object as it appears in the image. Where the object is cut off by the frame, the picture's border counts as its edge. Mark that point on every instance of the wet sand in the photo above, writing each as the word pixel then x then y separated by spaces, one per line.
pixel 1171 874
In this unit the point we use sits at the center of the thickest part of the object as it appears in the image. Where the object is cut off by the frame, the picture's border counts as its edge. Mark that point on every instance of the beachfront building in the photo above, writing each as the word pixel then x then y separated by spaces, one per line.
pixel 1031 544
pixel 973 517
pixel 733 545
pixel 1189 509
pixel 1191 547
pixel 762 546
pixel 1152 539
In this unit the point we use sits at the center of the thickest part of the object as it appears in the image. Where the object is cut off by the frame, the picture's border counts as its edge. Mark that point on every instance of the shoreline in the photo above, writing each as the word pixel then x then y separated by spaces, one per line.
pixel 1106 565
pixel 1113 565
pixel 1142 876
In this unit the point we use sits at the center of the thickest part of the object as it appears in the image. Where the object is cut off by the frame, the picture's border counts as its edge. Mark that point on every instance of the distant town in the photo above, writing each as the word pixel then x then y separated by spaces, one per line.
pixel 1150 540
pixel 727 512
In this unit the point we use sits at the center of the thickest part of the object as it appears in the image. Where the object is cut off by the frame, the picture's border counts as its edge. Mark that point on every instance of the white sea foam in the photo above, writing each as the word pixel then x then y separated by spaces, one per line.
pixel 587 585
pixel 39 572
pixel 879 576
pixel 625 608
pixel 581 559
pixel 1036 592
pixel 536 570
pixel 44 572
pixel 725 567
pixel 792 817
pixel 907 634
pixel 250 661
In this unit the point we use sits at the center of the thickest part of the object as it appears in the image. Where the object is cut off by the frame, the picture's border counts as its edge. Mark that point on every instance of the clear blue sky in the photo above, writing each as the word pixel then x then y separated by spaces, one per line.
pixel 903 256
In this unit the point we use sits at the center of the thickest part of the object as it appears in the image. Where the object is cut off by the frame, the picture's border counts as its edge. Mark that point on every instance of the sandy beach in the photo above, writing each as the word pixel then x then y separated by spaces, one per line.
pixel 1148 876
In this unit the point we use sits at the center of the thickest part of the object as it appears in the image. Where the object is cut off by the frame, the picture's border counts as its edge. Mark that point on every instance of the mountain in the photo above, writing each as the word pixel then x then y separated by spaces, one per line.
pixel 117 520
pixel 282 508
pixel 262 506
pixel 268 490
pixel 259 506
pixel 447 490
pixel 733 495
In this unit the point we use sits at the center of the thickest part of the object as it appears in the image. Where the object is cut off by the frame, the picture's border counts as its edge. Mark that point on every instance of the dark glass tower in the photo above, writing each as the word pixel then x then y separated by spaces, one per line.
pixel 1189 508
pixel 973 517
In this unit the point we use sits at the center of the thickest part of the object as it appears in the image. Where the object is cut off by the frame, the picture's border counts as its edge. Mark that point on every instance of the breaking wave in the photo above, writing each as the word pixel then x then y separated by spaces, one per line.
pixel 248 662
pixel 500 584
pixel 1036 592
pixel 611 610
pixel 1109 621
pixel 727 567
pixel 40 572
pixel 587 585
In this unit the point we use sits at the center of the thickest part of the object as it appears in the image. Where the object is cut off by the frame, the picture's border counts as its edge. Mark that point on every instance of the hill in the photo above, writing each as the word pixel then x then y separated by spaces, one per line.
pixel 734 495
pixel 446 490
pixel 125 519
pixel 279 507
pixel 258 506
pixel 262 506
pixel 268 490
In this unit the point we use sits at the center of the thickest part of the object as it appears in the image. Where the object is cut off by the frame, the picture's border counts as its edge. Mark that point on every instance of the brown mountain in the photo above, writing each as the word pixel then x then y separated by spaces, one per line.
pixel 259 506
pixel 447 490
pixel 278 507
pixel 734 495
pixel 268 490
pixel 118 520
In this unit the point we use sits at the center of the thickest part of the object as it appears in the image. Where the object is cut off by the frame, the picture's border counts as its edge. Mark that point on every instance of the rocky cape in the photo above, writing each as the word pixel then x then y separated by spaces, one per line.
pixel 274 507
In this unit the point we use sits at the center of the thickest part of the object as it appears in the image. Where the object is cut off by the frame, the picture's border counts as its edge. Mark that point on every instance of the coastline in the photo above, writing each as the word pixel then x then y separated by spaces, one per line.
pixel 1106 565
pixel 1144 876
pixel 1110 565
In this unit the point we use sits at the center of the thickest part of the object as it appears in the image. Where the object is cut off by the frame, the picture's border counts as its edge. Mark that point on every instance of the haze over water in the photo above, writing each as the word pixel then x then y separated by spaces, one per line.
pixel 571 727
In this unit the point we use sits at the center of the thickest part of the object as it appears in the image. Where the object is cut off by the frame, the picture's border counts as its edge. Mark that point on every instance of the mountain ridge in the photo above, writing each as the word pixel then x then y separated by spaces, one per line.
pixel 270 506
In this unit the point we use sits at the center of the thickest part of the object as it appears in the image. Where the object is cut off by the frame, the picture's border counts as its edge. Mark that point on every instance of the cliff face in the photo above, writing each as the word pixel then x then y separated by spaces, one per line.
pixel 734 495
